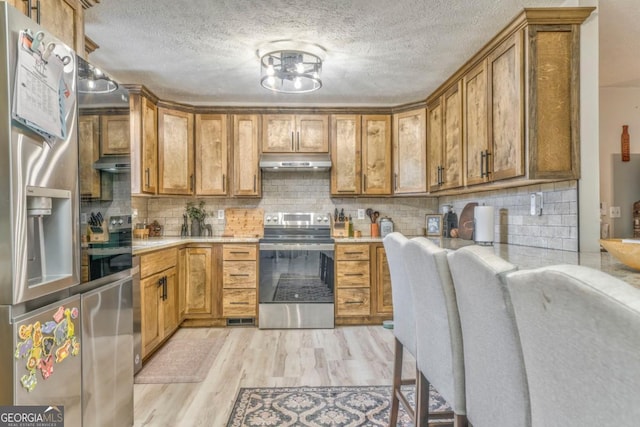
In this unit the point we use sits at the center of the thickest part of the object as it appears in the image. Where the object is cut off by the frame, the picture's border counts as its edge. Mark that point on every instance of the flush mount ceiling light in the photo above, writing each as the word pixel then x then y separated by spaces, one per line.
pixel 93 80
pixel 290 67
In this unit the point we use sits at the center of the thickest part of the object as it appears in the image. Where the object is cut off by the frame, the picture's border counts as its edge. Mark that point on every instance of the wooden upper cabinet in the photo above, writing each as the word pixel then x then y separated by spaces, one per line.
pixel 410 152
pixel 312 133
pixel 477 150
pixel 211 155
pixel 246 171
pixel 444 140
pixel 434 144
pixel 115 135
pixel 287 133
pixel 144 144
pixel 63 18
pixel 554 101
pixel 345 155
pixel 175 152
pixel 88 152
pixel 506 109
pixel 376 154
pixel 452 138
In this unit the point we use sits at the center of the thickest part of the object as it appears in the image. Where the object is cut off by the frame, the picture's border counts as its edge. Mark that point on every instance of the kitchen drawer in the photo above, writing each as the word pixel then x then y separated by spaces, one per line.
pixel 351 274
pixel 239 302
pixel 352 252
pixel 239 252
pixel 239 274
pixel 353 302
pixel 158 261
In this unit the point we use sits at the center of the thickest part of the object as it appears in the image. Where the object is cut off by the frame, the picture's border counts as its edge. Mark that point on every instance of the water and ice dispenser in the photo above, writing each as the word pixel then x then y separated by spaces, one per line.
pixel 49 235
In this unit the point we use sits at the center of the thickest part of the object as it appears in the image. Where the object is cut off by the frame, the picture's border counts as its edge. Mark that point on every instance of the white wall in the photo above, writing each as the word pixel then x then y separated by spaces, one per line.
pixel 618 106
pixel 589 184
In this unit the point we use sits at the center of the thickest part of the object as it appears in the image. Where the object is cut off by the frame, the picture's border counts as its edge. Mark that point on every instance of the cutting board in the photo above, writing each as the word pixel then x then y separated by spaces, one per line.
pixel 465 223
pixel 243 222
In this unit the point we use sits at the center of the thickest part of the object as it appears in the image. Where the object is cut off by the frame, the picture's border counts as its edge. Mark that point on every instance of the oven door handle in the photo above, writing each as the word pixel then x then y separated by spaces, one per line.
pixel 296 246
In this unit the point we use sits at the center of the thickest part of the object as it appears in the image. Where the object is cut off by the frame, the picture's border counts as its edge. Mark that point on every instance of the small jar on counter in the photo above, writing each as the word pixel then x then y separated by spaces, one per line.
pixel 386 226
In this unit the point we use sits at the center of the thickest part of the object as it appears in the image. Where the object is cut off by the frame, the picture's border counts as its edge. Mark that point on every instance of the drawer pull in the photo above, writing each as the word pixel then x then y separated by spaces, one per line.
pixel 239 303
pixel 354 274
pixel 353 253
pixel 239 274
pixel 240 252
pixel 354 302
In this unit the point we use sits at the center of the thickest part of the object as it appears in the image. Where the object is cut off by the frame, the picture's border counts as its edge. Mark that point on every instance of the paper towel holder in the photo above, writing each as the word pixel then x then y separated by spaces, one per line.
pixel 483 229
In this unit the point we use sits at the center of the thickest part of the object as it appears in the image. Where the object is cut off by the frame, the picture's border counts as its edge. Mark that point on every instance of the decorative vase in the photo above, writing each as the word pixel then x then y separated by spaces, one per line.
pixel 624 139
pixel 195 228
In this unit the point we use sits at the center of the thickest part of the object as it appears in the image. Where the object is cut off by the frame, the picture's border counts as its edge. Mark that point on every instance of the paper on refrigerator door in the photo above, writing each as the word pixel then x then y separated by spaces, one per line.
pixel 40 90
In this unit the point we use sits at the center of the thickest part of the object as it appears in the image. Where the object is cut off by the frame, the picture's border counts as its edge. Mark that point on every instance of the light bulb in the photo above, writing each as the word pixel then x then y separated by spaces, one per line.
pixel 271 80
pixel 91 84
pixel 316 75
pixel 297 83
pixel 97 72
pixel 270 70
pixel 300 67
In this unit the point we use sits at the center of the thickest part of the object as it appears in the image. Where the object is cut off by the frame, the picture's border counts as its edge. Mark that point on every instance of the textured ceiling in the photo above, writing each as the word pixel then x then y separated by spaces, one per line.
pixel 379 52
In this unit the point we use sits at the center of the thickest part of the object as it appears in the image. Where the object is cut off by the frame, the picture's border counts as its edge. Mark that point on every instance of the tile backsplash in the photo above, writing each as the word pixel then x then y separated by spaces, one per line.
pixel 556 228
pixel 292 192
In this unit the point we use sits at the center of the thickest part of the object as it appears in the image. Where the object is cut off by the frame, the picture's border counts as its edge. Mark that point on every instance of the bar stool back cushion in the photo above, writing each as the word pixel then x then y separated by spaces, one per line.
pixel 580 333
pixel 495 379
pixel 439 338
pixel 404 324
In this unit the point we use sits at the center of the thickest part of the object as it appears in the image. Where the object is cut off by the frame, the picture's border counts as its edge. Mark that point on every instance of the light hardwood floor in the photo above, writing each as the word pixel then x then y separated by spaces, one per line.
pixel 250 357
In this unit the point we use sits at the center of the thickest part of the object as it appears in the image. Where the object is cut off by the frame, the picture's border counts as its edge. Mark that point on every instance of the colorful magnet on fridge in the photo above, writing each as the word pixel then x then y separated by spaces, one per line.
pixel 60 333
pixel 37 39
pixel 24 331
pixel 29 381
pixel 48 327
pixel 59 314
pixel 23 348
pixel 63 351
pixel 47 345
pixel 74 313
pixel 46 367
pixel 37 334
pixel 75 346
pixel 32 363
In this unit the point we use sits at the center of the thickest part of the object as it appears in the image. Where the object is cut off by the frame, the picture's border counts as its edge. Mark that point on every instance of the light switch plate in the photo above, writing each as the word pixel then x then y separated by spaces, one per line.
pixel 536 203
pixel 220 213
pixel 360 213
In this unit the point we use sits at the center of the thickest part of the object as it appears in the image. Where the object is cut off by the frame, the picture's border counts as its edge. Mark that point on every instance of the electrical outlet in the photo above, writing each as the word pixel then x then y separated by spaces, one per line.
pixel 603 208
pixel 614 211
pixel 360 213
pixel 220 213
pixel 536 204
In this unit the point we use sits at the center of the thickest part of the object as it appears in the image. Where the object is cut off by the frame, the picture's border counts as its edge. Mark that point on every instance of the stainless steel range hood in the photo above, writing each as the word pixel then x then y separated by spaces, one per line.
pixel 286 162
pixel 113 164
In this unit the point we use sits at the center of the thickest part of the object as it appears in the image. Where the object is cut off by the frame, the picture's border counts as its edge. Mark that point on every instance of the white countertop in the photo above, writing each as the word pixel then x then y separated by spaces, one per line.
pixel 141 246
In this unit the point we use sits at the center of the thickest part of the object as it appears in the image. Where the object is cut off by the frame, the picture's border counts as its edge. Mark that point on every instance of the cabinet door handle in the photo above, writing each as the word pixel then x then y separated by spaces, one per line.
pixel 292 146
pixel 482 162
pixel 224 183
pixel 486 159
pixel 30 8
pixel 191 182
pixel 298 140
pixel 239 303
pixel 395 182
pixel 146 177
pixel 38 11
pixel 364 183
pixel 255 179
pixel 166 288
pixel 354 302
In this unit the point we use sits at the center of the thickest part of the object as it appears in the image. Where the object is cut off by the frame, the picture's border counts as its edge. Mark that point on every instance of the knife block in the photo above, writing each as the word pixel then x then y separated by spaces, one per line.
pixel 340 229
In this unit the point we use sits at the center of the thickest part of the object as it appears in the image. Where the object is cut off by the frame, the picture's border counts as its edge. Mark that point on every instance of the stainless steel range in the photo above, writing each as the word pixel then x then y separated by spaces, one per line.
pixel 296 271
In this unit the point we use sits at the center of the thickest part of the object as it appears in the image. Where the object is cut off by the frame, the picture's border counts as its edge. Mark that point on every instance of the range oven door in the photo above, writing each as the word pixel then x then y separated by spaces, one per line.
pixel 296 285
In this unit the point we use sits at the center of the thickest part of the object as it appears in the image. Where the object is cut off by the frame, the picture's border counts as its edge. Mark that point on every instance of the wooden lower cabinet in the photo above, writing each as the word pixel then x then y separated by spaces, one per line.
pixel 158 298
pixel 239 280
pixel 363 286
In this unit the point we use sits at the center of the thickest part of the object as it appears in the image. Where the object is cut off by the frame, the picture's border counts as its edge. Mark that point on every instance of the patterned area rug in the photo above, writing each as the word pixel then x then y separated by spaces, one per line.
pixel 180 360
pixel 326 406
pixel 295 288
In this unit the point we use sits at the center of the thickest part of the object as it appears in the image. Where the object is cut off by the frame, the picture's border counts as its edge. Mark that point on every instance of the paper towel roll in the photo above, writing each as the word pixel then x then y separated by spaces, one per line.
pixel 483 224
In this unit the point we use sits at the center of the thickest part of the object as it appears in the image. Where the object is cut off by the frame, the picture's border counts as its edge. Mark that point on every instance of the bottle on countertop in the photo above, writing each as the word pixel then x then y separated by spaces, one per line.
pixel 386 226
pixel 350 226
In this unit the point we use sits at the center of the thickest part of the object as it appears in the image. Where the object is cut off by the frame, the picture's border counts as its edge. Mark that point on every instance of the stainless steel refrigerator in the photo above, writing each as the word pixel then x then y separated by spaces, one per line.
pixel 40 343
